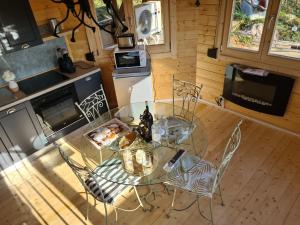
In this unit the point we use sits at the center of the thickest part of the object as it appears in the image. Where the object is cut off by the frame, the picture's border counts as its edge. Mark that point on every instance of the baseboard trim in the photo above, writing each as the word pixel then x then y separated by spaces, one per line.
pixel 241 115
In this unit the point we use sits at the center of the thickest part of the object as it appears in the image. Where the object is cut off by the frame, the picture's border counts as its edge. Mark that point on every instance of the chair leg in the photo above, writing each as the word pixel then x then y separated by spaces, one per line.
pixel 199 210
pixel 87 206
pixel 100 156
pixel 106 219
pixel 116 213
pixel 95 202
pixel 222 202
pixel 173 199
pixel 138 197
pixel 211 212
pixel 167 189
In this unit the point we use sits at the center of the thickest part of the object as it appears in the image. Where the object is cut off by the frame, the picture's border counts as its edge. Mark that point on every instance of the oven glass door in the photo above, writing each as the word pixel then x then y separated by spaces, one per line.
pixel 57 109
pixel 62 114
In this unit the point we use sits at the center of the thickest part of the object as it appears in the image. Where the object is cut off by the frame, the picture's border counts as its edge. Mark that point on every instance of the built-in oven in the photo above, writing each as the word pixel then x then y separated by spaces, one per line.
pixel 57 112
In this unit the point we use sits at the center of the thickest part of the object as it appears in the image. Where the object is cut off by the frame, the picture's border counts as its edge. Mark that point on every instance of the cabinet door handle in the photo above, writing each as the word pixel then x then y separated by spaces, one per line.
pixel 25 46
pixel 88 78
pixel 11 110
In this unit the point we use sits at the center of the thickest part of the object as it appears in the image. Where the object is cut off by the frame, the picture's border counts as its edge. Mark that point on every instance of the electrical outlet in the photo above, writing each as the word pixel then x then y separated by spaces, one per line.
pixel 220 101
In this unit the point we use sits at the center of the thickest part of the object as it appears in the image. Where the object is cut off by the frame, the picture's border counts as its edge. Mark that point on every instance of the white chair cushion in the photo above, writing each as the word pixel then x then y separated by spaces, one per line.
pixel 198 179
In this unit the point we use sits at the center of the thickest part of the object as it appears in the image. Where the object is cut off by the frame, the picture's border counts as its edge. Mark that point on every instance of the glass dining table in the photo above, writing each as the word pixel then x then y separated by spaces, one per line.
pixel 142 164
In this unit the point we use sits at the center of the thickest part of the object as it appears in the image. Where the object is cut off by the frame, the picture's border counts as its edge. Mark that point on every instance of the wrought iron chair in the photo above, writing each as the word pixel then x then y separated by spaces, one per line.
pixel 203 178
pixel 102 190
pixel 187 95
pixel 94 105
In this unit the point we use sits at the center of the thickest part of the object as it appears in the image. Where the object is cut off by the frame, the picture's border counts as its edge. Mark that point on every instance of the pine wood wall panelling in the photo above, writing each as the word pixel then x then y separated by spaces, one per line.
pixel 107 68
pixel 162 71
pixel 188 29
pixel 43 10
pixel 184 64
pixel 196 27
pixel 211 72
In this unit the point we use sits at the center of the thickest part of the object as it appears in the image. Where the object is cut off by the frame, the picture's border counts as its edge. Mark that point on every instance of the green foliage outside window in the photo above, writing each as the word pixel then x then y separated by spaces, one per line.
pixel 288 24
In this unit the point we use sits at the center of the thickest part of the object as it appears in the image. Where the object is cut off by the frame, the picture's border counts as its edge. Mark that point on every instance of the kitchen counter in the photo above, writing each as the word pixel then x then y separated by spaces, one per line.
pixel 9 99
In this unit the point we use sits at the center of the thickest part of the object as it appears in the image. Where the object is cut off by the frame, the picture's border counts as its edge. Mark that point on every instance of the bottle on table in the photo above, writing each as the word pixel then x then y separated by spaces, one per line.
pixel 145 125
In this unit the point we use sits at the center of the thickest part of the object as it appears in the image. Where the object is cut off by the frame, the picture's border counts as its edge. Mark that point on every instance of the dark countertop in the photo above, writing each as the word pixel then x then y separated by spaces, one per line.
pixel 9 99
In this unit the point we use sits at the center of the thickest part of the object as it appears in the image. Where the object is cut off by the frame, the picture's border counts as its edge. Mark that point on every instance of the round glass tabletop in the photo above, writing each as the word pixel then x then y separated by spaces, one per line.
pixel 140 163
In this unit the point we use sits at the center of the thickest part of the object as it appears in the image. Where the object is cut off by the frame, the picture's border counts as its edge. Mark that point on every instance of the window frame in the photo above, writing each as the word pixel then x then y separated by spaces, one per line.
pixel 168 49
pixel 165 8
pixel 261 57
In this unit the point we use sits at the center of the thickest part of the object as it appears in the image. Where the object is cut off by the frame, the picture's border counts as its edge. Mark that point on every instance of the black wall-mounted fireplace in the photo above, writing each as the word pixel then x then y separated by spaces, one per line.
pixel 263 93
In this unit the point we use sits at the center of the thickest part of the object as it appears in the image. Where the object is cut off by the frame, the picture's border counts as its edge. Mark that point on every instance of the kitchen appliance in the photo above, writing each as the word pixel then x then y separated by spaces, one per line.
pixel 148 19
pixel 107 40
pixel 130 58
pixel 56 110
pixel 126 41
pixel 133 84
pixel 53 23
pixel 257 89
pixel 64 61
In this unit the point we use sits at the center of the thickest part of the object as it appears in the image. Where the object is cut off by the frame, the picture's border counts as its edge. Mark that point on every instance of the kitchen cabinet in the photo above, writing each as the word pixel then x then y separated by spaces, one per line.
pixel 88 85
pixel 18 25
pixel 23 136
pixel 5 158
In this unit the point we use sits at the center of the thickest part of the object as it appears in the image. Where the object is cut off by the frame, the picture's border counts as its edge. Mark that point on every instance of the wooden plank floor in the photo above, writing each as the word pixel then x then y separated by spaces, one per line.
pixel 261 186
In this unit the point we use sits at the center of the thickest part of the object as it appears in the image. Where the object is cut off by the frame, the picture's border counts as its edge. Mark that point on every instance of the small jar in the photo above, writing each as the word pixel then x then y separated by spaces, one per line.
pixel 13 86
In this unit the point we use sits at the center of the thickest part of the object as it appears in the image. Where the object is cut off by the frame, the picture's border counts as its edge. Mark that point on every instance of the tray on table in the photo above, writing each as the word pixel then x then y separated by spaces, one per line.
pixel 108 134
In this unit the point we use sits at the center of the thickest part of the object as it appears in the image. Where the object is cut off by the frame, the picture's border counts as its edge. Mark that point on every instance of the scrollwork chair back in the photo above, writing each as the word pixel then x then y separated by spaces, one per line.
pixel 94 105
pixel 231 147
pixel 186 96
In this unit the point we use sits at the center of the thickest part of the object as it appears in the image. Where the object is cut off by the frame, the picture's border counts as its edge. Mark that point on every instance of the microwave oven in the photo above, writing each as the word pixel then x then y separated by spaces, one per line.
pixel 130 58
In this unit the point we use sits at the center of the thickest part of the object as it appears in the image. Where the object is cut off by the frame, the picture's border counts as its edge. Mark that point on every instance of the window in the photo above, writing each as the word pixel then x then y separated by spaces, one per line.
pixel 263 31
pixel 151 23
pixel 151 33
pixel 148 20
pixel 286 34
pixel 105 20
pixel 246 25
